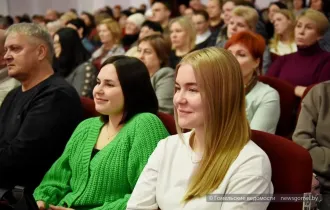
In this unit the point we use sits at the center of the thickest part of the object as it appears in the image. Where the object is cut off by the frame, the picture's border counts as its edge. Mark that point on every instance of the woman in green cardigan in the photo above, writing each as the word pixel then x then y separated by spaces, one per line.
pixel 105 155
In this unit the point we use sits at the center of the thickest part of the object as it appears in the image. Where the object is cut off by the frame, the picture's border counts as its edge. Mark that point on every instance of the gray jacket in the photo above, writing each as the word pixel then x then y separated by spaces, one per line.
pixel 163 83
pixel 312 130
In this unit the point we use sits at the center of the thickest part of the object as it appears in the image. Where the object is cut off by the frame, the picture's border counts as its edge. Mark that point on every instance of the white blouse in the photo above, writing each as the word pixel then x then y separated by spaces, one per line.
pixel 263 108
pixel 284 49
pixel 165 178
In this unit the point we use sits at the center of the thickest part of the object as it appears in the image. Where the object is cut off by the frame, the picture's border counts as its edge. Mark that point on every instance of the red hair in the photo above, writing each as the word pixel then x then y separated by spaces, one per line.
pixel 255 44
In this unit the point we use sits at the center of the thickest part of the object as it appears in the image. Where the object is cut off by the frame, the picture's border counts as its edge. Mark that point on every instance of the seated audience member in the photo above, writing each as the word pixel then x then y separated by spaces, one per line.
pixel 79 25
pixel 196 5
pixel 66 17
pixel 91 31
pixel 321 6
pixel 213 8
pixel 221 34
pixel 51 15
pixel 38 117
pixel 132 30
pixel 312 132
pixel 324 7
pixel 188 13
pixel 110 36
pixel 6 82
pixel 39 19
pixel 272 9
pixel 154 51
pixel 209 99
pixel 161 13
pixel 298 7
pixel 147 28
pixel 227 8
pixel 201 23
pixel 283 41
pixel 183 36
pixel 106 154
pixel 244 18
pixel 182 8
pixel 54 26
pixel 72 61
pixel 262 101
pixel 310 64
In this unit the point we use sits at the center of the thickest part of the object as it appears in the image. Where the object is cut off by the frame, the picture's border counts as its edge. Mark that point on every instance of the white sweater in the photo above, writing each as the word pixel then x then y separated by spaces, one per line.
pixel 165 178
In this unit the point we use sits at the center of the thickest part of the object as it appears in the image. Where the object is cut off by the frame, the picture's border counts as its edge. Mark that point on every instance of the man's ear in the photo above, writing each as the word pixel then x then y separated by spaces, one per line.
pixel 42 51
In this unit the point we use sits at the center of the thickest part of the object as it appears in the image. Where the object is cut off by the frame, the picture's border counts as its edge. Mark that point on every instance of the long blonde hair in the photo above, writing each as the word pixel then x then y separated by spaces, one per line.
pixel 289 15
pixel 226 129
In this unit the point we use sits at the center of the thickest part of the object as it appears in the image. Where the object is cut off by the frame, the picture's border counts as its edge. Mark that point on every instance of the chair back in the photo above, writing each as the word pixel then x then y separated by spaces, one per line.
pixel 292 168
pixel 288 105
pixel 88 108
pixel 168 121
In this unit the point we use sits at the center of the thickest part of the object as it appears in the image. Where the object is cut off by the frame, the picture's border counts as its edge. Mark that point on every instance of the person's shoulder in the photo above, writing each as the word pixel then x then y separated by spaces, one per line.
pixel 175 142
pixel 262 90
pixel 145 116
pixel 266 89
pixel 58 85
pixel 83 125
pixel 164 71
pixel 144 120
pixel 256 158
pixel 320 89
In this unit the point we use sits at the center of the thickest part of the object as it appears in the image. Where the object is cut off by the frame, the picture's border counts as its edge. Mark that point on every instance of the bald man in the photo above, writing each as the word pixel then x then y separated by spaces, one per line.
pixel 6 83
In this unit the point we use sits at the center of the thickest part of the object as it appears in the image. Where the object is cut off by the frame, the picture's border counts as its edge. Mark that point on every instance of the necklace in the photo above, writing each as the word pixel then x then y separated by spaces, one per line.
pixel 113 135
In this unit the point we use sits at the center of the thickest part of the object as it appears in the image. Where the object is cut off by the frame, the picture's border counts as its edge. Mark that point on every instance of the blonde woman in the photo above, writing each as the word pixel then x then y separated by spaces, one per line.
pixel 183 37
pixel 244 18
pixel 217 156
pixel 283 42
pixel 110 35
pixel 310 64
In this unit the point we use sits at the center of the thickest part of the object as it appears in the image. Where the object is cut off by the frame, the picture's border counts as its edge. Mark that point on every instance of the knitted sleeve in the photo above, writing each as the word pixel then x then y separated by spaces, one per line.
pixel 55 184
pixel 149 130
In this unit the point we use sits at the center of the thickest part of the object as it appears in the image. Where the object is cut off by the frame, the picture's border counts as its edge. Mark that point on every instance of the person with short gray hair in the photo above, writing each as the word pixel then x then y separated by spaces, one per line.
pixel 37 34
pixel 38 117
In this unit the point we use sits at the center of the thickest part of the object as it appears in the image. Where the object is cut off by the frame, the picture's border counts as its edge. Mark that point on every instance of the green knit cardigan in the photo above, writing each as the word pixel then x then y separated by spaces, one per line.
pixel 105 181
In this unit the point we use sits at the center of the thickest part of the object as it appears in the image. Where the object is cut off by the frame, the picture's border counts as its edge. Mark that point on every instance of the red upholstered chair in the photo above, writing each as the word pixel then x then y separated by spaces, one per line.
pixel 168 121
pixel 288 103
pixel 88 107
pixel 291 167
pixel 302 97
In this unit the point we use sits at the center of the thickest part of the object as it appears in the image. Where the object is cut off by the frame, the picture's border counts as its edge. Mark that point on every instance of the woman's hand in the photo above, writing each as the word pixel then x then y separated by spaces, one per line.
pixel 41 205
pixel 299 91
pixel 51 207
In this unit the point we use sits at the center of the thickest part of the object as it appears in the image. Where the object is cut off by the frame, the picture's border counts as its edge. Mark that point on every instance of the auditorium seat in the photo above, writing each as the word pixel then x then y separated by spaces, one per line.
pixel 288 104
pixel 88 107
pixel 292 168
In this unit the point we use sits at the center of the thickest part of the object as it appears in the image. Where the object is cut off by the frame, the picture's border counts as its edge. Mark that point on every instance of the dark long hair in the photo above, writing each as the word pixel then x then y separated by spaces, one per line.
pixel 139 96
pixel 73 53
